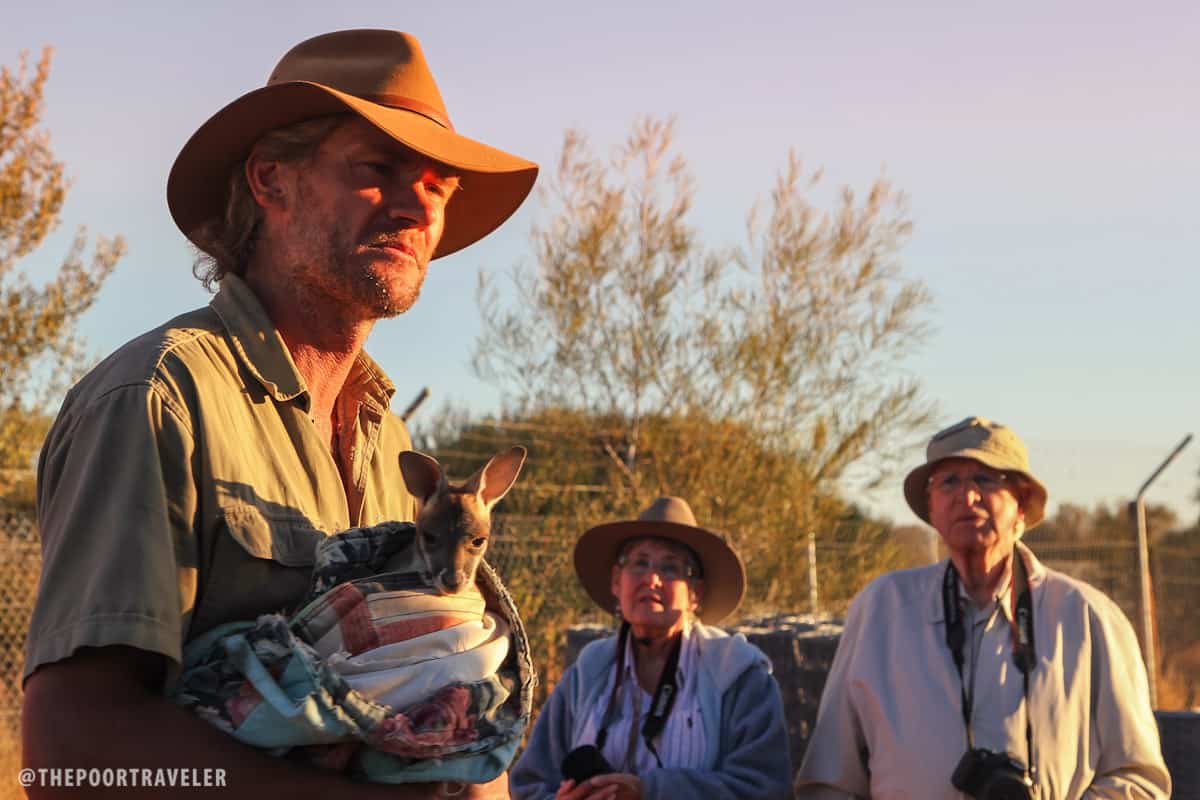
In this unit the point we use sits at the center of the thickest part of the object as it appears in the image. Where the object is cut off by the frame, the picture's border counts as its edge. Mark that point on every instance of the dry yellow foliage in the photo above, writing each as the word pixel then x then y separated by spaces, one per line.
pixel 40 350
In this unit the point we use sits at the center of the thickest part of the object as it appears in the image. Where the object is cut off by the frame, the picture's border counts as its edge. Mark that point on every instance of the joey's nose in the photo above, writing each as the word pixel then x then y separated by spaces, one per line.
pixel 451 581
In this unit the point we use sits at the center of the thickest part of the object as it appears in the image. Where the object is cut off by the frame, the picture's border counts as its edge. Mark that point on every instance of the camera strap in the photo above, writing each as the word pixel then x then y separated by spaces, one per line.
pixel 1024 651
pixel 664 695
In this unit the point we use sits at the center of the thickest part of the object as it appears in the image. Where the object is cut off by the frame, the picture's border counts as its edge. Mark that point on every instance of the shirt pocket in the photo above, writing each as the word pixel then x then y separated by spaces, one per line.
pixel 289 540
pixel 259 563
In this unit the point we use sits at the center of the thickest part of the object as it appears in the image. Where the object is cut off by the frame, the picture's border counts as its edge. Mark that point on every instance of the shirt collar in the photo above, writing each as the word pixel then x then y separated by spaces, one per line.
pixel 686 656
pixel 933 588
pixel 261 349
pixel 1002 598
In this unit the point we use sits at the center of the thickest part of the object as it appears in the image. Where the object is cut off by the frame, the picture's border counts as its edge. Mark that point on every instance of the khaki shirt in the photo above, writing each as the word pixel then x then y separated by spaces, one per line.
pixel 183 484
pixel 890 724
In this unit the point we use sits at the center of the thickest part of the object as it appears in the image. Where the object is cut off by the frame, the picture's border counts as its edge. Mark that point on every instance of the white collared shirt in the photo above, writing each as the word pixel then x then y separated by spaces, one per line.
pixel 682 741
pixel 989 650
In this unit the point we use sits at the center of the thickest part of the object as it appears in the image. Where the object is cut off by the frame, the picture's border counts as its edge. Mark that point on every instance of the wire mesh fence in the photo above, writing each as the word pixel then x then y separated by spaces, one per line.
pixel 20 563
pixel 534 564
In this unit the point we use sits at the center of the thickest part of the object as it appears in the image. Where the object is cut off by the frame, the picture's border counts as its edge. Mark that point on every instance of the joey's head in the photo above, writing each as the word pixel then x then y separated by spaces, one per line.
pixel 454 520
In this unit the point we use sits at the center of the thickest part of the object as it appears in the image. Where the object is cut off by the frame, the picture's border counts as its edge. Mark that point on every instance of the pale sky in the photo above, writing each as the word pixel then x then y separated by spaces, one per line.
pixel 1049 150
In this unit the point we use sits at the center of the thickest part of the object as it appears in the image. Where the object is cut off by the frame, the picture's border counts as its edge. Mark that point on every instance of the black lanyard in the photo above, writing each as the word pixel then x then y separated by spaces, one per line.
pixel 664 695
pixel 1024 653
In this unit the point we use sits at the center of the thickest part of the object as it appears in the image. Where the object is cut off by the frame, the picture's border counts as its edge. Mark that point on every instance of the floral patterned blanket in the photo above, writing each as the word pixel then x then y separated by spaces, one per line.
pixel 377 674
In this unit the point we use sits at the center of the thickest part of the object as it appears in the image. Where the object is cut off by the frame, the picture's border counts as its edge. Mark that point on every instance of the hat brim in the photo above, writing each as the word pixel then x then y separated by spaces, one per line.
pixel 917 481
pixel 493 183
pixel 724 573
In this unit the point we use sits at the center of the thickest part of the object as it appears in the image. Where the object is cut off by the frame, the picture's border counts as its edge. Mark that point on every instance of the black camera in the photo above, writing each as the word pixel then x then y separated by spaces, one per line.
pixel 584 762
pixel 988 775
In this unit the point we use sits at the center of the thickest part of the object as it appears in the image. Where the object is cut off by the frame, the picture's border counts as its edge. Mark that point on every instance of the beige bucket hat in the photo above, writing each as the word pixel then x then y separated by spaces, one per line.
pixel 666 518
pixel 987 442
pixel 380 75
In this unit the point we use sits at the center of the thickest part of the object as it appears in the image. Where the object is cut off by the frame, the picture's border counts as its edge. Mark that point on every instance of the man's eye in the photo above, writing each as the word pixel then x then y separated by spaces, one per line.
pixel 378 167
pixel 438 189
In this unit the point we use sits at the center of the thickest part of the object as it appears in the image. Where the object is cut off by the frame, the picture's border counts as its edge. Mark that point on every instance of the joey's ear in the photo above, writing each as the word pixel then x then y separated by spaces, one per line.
pixel 497 476
pixel 422 475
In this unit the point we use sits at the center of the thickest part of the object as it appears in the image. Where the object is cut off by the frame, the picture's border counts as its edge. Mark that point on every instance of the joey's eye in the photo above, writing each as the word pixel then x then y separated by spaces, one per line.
pixel 480 542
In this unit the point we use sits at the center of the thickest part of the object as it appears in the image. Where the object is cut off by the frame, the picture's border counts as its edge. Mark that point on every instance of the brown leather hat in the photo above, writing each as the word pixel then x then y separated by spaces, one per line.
pixel 666 518
pixel 380 75
pixel 981 440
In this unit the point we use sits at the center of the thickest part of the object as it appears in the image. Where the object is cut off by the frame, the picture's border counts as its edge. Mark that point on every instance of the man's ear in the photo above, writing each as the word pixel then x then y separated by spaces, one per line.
pixel 265 179
pixel 1019 526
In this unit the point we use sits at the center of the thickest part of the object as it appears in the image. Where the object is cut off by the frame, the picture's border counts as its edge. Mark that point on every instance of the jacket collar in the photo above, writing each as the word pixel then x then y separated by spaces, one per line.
pixel 932 581
pixel 262 351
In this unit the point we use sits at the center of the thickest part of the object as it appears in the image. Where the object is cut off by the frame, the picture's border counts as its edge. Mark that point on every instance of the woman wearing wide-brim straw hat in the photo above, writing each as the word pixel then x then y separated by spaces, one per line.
pixel 987 674
pixel 671 706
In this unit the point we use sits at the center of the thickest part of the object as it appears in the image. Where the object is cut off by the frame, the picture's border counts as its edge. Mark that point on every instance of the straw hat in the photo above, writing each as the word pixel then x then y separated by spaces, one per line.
pixel 666 518
pixel 380 75
pixel 987 442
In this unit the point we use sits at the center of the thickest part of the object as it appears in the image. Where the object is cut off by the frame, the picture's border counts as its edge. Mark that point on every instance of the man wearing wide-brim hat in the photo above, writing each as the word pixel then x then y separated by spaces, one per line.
pixel 671 706
pixel 988 674
pixel 189 477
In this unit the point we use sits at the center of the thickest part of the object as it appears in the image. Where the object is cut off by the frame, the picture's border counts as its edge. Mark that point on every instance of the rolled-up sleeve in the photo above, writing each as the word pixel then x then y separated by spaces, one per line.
pixel 116 503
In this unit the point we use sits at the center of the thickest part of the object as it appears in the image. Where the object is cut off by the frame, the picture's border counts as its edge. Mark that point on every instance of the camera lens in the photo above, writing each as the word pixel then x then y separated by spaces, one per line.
pixel 584 762
pixel 999 786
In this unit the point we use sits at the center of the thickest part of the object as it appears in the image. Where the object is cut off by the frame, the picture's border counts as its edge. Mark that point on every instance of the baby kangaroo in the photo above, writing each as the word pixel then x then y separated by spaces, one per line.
pixel 454 521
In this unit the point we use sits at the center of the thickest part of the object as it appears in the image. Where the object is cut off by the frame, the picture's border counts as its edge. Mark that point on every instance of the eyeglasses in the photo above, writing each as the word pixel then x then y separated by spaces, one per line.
pixel 669 569
pixel 949 483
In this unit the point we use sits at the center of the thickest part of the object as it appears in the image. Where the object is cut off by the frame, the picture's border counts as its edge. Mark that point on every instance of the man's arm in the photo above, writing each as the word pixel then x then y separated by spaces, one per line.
pixel 103 707
pixel 834 766
pixel 1130 762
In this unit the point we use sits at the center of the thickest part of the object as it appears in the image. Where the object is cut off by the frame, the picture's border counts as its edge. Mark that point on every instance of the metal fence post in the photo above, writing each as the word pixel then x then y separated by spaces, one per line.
pixel 1146 594
pixel 813 597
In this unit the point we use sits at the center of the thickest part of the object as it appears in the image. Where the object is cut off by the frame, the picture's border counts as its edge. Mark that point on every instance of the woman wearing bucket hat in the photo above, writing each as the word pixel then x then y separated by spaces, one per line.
pixel 671 706
pixel 987 675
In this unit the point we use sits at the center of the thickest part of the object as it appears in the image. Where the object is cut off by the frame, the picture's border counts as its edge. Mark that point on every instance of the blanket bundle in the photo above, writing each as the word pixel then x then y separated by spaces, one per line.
pixel 377 674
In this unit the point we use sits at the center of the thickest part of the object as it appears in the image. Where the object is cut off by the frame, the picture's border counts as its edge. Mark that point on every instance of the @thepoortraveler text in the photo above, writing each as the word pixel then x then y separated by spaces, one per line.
pixel 131 777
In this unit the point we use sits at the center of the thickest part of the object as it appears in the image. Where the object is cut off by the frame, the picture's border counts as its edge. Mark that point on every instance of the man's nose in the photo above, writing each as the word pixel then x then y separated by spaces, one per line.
pixel 410 201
